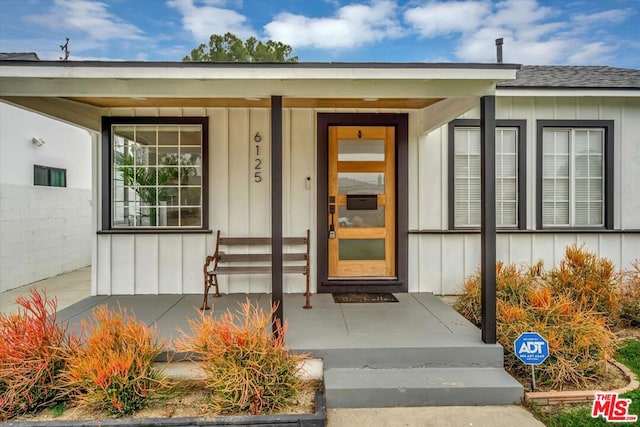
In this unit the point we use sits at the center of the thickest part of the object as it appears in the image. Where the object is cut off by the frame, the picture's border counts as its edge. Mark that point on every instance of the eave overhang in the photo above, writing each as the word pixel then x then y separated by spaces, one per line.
pixel 97 86
pixel 197 80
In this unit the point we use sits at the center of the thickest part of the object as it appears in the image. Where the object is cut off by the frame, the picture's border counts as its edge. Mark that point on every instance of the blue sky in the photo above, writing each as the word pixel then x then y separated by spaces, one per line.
pixel 581 32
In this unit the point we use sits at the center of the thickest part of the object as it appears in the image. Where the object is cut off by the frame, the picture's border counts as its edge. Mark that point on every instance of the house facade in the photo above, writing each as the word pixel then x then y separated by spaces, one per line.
pixel 45 197
pixel 382 162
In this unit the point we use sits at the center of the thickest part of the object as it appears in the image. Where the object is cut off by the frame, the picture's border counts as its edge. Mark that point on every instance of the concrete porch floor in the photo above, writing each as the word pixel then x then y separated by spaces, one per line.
pixel 416 320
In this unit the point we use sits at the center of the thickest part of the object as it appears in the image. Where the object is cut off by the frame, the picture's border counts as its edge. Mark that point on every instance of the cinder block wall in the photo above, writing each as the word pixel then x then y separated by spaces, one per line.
pixel 44 231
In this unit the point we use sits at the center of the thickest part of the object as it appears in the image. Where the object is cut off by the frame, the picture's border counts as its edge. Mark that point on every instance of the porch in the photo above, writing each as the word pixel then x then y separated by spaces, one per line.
pixel 416 352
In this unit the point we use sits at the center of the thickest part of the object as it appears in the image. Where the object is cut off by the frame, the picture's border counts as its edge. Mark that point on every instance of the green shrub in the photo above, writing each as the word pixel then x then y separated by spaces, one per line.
pixel 247 369
pixel 30 356
pixel 113 371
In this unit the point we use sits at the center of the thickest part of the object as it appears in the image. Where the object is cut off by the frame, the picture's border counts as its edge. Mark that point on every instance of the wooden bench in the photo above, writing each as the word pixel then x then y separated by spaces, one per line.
pixel 221 263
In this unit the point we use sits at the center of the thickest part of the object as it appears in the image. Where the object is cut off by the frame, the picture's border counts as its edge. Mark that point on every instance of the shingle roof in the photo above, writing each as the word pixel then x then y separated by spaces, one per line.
pixel 19 56
pixel 574 77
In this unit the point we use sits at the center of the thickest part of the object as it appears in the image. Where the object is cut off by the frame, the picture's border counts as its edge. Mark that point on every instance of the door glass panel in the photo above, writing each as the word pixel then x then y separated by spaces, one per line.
pixel 361 249
pixel 361 183
pixel 358 218
pixel 359 150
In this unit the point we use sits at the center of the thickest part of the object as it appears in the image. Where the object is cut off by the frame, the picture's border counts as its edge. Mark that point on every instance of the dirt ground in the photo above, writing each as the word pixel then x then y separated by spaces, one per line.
pixel 190 401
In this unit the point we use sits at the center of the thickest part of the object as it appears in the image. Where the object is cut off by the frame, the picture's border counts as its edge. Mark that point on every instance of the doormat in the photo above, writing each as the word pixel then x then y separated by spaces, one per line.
pixel 347 298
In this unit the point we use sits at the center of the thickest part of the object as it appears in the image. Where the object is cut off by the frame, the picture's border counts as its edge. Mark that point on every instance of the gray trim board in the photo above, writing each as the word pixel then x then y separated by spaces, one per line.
pixel 276 211
pixel 303 65
pixel 488 217
pixel 544 231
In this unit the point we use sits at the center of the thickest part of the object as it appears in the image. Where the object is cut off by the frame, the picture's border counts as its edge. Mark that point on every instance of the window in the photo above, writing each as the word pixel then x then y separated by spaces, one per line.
pixel 573 183
pixel 464 174
pixel 51 177
pixel 157 176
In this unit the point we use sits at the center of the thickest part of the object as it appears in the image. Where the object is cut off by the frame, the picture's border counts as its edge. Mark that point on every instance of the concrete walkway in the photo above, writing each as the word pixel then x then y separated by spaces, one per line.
pixel 68 289
pixel 75 286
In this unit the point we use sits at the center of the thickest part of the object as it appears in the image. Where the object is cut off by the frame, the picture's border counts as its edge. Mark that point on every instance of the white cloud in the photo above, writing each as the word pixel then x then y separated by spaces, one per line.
pixel 352 26
pixel 532 33
pixel 205 18
pixel 591 54
pixel 437 19
pixel 610 16
pixel 87 17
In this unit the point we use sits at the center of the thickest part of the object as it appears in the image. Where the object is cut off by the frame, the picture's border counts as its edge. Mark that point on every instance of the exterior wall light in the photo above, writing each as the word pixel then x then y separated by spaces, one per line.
pixel 39 142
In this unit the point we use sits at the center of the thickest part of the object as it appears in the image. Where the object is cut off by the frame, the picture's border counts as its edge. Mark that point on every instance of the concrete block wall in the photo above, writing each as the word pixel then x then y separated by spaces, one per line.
pixel 44 231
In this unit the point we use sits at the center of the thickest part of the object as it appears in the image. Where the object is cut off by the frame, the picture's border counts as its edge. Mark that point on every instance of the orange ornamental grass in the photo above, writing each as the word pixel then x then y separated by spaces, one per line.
pixel 571 306
pixel 30 355
pixel 113 370
pixel 629 296
pixel 247 369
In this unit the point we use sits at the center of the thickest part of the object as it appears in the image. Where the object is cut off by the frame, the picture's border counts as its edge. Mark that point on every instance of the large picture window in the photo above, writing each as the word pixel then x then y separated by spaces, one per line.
pixel 573 169
pixel 465 209
pixel 157 175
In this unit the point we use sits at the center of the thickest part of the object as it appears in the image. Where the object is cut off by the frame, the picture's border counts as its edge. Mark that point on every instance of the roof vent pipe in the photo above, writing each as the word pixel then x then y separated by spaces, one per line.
pixel 499 43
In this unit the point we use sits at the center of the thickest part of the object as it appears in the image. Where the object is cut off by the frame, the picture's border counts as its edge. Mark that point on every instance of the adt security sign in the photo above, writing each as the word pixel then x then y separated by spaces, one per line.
pixel 531 348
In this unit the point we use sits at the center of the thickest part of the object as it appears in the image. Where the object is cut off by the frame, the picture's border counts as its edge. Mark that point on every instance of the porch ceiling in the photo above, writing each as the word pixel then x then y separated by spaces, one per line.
pixel 122 102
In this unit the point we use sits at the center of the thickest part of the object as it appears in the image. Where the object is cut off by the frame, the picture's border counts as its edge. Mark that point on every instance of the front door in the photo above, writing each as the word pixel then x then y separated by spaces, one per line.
pixel 362 202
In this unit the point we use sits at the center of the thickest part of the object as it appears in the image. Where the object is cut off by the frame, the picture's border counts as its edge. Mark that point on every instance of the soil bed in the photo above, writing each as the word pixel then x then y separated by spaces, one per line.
pixel 189 401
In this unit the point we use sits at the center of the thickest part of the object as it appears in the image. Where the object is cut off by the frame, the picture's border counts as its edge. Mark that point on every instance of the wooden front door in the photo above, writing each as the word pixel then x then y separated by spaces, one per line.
pixel 362 202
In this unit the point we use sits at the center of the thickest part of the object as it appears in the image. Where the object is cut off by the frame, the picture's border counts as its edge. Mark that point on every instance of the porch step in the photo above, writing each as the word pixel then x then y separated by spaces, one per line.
pixel 440 355
pixel 366 388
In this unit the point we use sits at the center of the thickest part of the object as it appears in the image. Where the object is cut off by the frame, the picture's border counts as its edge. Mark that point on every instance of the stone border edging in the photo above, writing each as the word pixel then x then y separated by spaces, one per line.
pixel 557 397
pixel 317 419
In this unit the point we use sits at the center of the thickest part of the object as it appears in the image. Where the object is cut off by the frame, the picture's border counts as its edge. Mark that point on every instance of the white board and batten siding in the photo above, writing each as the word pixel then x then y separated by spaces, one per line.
pixel 238 205
pixel 439 262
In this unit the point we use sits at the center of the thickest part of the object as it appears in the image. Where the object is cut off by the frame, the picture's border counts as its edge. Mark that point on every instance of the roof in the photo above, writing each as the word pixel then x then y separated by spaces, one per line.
pixel 19 56
pixel 573 77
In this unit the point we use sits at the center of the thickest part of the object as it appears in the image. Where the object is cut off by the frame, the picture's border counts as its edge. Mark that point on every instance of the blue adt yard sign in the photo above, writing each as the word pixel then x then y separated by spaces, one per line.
pixel 531 348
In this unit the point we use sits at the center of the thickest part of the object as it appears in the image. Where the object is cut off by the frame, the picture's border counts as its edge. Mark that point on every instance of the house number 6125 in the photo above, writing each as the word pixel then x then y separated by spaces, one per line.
pixel 257 161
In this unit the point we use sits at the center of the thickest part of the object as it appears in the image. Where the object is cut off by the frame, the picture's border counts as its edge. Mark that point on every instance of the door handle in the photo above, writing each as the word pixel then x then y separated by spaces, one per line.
pixel 332 227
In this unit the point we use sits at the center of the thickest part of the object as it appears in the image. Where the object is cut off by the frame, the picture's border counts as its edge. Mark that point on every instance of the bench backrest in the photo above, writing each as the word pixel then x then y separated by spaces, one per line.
pixel 260 241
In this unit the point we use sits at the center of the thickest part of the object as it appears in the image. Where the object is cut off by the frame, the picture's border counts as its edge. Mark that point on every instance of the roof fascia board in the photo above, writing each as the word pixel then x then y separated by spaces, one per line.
pixel 239 88
pixel 566 92
pixel 257 72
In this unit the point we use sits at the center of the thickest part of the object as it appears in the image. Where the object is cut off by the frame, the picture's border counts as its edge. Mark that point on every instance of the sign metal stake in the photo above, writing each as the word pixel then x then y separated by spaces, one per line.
pixel 533 378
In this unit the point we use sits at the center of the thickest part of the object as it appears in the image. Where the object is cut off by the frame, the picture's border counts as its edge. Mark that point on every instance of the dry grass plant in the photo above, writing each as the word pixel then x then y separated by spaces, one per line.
pixel 564 305
pixel 589 281
pixel 31 356
pixel 629 297
pixel 247 369
pixel 113 370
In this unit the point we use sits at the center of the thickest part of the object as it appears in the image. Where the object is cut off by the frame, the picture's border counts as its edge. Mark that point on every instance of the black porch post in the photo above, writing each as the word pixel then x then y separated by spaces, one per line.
pixel 276 209
pixel 488 216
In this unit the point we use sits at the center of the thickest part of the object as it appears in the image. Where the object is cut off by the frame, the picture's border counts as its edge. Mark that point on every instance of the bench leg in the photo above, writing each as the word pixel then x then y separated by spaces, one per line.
pixel 209 280
pixel 207 285
pixel 308 294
